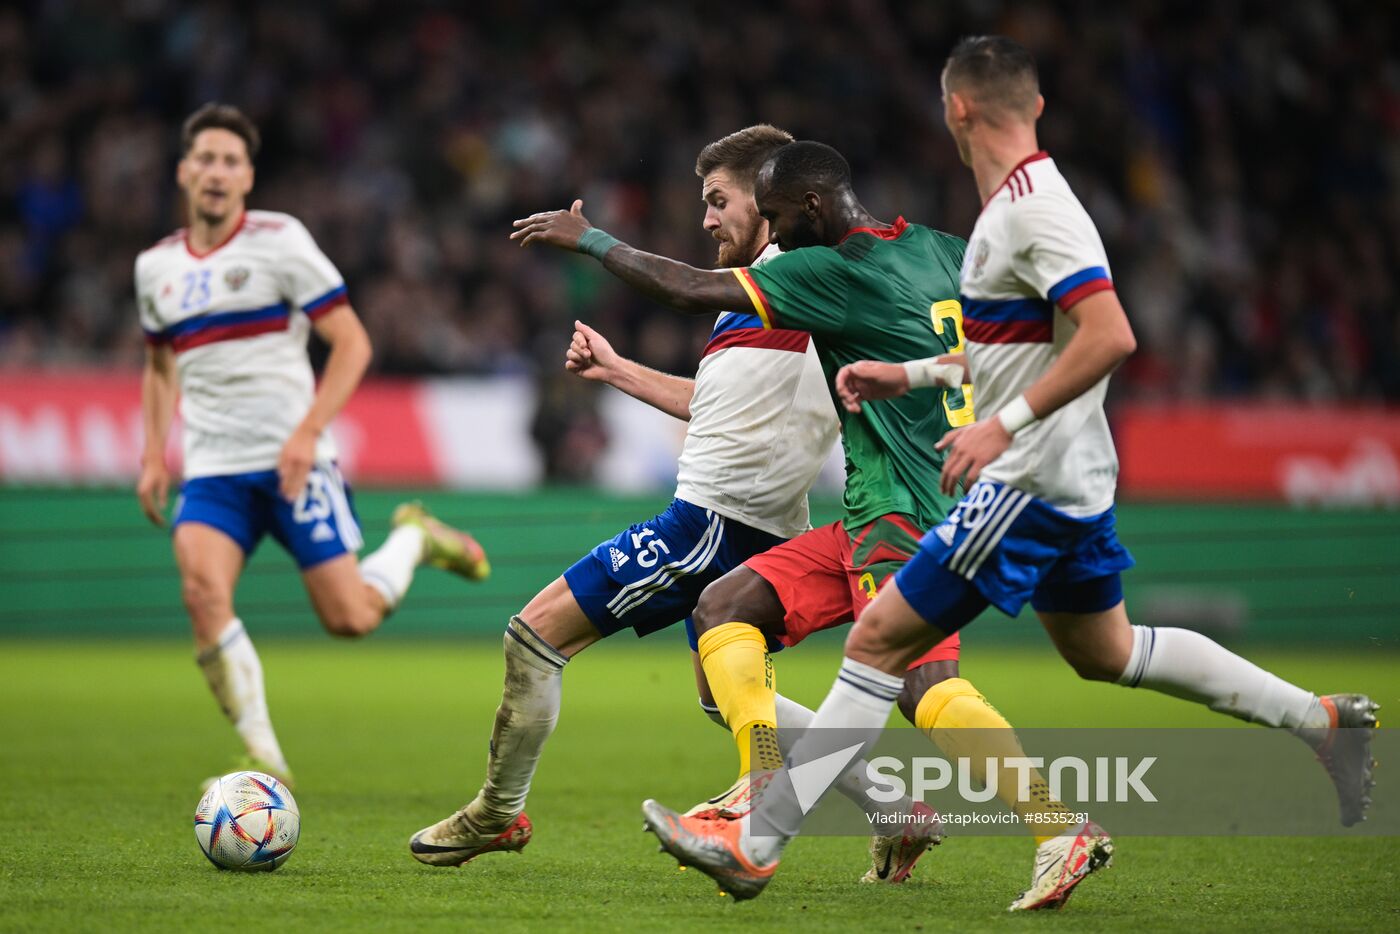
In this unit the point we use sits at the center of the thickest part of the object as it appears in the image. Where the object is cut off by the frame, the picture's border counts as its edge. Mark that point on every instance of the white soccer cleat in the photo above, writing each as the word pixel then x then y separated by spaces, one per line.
pixel 1062 863
pixel 454 840
pixel 892 856
pixel 1346 752
pixel 735 802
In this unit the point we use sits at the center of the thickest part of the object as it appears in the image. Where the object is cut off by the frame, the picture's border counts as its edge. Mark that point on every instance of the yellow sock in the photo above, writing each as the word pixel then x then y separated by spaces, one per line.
pixel 961 723
pixel 740 672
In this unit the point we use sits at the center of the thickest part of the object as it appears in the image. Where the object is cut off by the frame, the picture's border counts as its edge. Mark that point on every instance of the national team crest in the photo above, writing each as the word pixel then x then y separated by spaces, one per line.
pixel 979 258
pixel 236 277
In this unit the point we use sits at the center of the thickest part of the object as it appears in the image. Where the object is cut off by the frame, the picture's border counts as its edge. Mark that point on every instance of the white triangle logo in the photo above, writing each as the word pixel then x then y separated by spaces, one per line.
pixel 810 780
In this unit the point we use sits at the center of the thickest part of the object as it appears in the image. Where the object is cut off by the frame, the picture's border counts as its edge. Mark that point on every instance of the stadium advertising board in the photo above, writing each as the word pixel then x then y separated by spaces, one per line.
pixel 1303 455
pixel 85 427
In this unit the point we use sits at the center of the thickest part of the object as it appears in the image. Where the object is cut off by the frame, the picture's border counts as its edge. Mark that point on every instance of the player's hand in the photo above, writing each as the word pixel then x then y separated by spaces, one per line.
pixel 556 228
pixel 153 490
pixel 970 449
pixel 590 355
pixel 870 379
pixel 294 463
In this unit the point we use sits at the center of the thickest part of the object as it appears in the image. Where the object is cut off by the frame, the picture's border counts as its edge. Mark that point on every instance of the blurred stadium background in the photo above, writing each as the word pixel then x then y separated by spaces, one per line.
pixel 1241 158
pixel 1244 167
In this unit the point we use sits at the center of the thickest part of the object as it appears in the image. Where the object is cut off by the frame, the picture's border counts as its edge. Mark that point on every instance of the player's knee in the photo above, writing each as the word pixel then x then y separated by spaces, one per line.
pixel 1091 664
pixel 349 622
pixel 917 682
pixel 713 608
pixel 205 598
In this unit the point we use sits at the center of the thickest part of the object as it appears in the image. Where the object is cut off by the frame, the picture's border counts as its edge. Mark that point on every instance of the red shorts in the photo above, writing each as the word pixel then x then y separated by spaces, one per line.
pixel 825 577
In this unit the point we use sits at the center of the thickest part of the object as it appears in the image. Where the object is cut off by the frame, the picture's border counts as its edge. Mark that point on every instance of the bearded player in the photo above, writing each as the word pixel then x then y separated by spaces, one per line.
pixel 226 305
pixel 1045 329
pixel 861 288
pixel 760 423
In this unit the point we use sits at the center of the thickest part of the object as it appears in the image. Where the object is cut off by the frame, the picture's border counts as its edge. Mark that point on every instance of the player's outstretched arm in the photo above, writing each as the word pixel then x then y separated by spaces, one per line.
pixel 685 288
pixel 872 379
pixel 345 366
pixel 1102 341
pixel 159 391
pixel 591 356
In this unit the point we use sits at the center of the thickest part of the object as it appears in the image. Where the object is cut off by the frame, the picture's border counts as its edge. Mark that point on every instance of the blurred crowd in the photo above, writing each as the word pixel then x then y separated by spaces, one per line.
pixel 1242 164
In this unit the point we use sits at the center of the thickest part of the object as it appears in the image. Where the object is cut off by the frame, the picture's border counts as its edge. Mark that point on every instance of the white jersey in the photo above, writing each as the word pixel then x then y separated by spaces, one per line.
pixel 761 424
pixel 238 318
pixel 1033 250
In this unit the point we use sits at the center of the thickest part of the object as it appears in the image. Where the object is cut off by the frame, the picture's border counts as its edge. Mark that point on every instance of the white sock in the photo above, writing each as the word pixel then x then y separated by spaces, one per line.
pixel 1186 664
pixel 529 709
pixel 389 568
pixel 235 676
pixel 860 700
pixel 855 782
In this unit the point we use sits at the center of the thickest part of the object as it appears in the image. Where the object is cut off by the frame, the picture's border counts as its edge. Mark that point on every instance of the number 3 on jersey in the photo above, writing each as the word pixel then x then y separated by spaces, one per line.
pixel 961 413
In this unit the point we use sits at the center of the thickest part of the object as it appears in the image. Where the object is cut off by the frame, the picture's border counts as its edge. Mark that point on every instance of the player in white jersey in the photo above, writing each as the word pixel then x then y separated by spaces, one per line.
pixel 227 305
pixel 760 424
pixel 1044 330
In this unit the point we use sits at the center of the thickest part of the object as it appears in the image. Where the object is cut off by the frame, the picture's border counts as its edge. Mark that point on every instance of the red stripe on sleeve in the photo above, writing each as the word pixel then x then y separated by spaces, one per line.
pixel 329 306
pixel 1081 292
pixel 795 341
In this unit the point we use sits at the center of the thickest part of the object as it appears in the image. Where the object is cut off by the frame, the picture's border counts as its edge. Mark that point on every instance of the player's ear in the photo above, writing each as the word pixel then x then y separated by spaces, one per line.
pixel 1039 106
pixel 812 205
pixel 181 172
pixel 957 107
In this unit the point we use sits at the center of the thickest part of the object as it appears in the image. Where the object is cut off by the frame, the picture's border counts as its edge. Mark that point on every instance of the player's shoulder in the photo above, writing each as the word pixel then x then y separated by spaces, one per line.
pixel 1036 195
pixel 173 241
pixel 271 224
pixel 940 240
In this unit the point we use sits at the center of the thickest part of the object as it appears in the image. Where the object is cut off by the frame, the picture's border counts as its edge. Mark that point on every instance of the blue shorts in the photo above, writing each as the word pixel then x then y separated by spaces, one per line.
pixel 319 526
pixel 1004 547
pixel 651 575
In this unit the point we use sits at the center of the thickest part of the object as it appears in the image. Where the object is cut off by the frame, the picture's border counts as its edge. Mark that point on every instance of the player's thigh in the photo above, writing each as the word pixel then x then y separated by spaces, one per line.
pixel 1097 645
pixel 210 562
pixel 741 595
pixel 340 597
pixel 556 617
pixel 890 633
pixel 788 591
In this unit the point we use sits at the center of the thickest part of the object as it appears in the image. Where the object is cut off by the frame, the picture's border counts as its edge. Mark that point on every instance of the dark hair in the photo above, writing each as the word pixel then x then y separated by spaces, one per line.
pixel 216 116
pixel 998 70
pixel 810 166
pixel 742 153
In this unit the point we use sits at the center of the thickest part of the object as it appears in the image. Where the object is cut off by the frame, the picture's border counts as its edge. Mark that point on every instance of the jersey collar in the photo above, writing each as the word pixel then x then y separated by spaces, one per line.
pixel 891 232
pixel 242 219
pixel 1033 157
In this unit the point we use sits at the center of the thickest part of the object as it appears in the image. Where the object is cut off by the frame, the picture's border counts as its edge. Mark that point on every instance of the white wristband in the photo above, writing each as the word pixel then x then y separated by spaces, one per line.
pixel 927 373
pixel 1016 415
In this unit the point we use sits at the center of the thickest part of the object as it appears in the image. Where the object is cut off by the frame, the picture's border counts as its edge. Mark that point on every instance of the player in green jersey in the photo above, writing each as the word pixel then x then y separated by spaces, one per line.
pixel 864 290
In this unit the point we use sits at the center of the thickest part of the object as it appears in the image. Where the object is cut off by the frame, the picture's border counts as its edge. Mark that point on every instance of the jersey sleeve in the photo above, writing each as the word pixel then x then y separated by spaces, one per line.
pixel 1058 251
pixel 308 279
pixel 803 290
pixel 151 325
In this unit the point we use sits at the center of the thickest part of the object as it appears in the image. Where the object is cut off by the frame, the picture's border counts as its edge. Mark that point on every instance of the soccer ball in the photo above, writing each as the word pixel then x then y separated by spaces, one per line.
pixel 247 821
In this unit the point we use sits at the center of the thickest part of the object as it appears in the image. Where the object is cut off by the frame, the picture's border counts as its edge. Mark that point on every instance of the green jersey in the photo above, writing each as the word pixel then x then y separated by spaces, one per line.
pixel 881 294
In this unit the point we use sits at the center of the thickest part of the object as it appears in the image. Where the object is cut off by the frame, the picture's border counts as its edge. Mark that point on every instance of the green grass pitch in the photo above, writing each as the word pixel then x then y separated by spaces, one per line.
pixel 102 746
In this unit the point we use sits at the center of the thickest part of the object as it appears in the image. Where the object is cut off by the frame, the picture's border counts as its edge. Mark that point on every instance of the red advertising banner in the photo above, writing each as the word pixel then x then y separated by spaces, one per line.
pixel 85 427
pixel 1299 453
